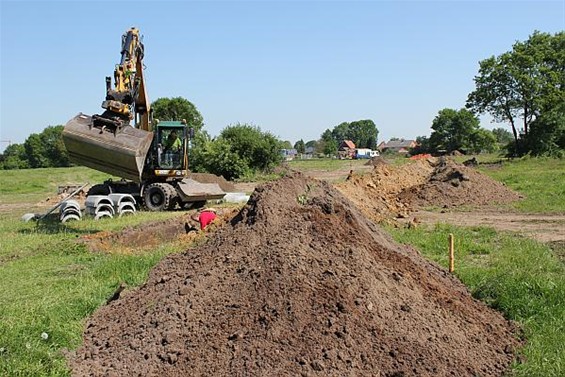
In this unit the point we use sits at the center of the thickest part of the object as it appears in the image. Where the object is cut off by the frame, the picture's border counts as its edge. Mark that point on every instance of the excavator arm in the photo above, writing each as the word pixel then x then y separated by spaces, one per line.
pixel 107 142
pixel 128 98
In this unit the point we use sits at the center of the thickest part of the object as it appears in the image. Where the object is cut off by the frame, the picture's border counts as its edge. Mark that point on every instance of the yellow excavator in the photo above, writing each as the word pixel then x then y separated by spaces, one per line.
pixel 156 174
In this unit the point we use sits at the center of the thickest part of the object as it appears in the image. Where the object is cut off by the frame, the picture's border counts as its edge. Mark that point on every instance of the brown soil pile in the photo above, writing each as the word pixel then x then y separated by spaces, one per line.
pixel 453 184
pixel 395 191
pixel 376 161
pixel 300 283
pixel 376 194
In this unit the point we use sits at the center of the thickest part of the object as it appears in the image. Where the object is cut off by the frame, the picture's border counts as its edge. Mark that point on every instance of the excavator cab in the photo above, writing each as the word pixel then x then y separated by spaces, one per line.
pixel 168 154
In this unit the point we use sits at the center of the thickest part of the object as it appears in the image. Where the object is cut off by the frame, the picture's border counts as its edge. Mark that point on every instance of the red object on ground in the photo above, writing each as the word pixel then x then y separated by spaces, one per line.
pixel 205 218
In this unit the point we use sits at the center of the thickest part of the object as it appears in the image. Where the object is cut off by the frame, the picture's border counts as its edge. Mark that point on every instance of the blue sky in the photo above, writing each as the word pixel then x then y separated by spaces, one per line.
pixel 293 68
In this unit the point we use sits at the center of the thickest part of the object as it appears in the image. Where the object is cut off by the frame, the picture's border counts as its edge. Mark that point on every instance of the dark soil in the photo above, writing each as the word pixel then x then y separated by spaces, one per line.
pixel 452 185
pixel 299 283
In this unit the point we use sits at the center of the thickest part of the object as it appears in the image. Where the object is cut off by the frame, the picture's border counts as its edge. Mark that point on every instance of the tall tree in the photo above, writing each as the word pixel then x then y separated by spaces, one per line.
pixel 311 144
pixel 239 151
pixel 520 85
pixel 300 146
pixel 453 129
pixel 14 157
pixel 327 143
pixel 178 108
pixel 286 144
pixel 502 135
pixel 47 149
pixel 363 133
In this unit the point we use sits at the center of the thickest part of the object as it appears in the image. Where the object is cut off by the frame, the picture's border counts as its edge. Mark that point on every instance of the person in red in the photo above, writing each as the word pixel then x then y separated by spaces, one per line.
pixel 203 217
pixel 206 216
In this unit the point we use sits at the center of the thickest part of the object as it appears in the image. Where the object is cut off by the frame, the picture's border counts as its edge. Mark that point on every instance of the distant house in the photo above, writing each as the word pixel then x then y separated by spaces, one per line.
pixel 289 154
pixel 346 149
pixel 308 152
pixel 401 146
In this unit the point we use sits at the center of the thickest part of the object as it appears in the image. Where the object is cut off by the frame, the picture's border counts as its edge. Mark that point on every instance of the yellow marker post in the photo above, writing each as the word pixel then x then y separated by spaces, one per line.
pixel 451 253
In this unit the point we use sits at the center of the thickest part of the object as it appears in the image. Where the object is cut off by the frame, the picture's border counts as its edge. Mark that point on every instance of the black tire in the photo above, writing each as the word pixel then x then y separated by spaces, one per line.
pixel 158 196
pixel 100 189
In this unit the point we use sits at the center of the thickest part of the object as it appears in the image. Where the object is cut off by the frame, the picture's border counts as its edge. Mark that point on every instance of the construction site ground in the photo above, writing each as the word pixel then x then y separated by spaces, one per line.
pixel 301 281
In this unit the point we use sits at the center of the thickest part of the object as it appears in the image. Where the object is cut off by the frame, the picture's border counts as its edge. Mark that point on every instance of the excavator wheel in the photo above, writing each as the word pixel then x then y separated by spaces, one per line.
pixel 159 197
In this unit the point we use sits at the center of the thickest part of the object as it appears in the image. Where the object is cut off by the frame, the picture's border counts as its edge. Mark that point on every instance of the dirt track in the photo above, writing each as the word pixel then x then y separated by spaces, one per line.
pixel 544 228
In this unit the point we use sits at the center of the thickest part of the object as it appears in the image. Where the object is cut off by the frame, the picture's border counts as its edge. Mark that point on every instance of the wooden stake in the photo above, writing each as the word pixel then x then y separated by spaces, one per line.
pixel 451 254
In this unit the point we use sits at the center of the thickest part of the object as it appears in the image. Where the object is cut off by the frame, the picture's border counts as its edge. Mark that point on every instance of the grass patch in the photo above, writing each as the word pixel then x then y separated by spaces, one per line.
pixel 325 164
pixel 50 284
pixel 35 184
pixel 520 277
pixel 541 180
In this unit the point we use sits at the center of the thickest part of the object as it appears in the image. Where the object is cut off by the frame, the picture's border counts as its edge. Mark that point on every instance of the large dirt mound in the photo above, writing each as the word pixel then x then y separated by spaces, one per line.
pixel 299 283
pixel 395 191
pixel 452 184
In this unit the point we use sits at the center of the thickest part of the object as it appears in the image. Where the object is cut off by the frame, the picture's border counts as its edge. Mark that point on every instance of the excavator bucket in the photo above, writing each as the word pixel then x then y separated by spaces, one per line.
pixel 194 191
pixel 120 152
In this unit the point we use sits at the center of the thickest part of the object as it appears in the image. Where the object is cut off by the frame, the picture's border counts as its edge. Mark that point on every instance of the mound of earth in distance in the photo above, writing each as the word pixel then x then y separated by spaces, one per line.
pixel 377 193
pixel 298 283
pixel 452 184
pixel 396 191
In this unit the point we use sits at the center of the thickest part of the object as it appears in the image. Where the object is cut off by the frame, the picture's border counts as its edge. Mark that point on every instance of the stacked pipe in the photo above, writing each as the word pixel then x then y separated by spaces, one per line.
pixel 124 204
pixel 69 210
pixel 99 206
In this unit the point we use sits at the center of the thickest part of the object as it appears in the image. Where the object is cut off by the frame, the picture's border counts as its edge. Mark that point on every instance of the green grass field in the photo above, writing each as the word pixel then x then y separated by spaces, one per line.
pixel 51 284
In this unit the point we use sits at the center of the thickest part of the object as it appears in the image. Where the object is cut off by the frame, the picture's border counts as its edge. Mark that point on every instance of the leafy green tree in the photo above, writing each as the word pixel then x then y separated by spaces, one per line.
pixel 300 146
pixel 218 157
pixel 240 150
pixel 327 144
pixel 452 130
pixel 482 140
pixel 363 133
pixel 311 144
pixel 47 149
pixel 178 108
pixel 422 146
pixel 14 157
pixel 503 136
pixel 520 85
pixel 547 133
pixel 286 145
